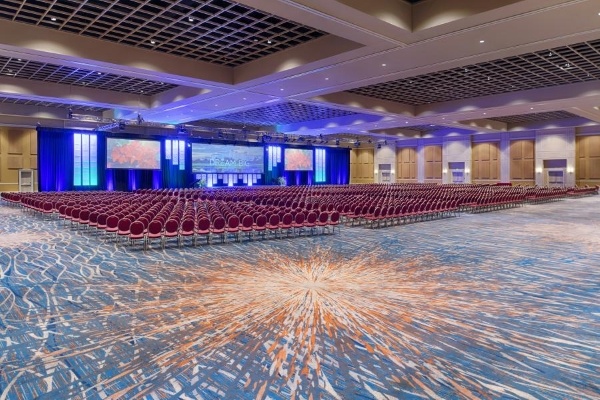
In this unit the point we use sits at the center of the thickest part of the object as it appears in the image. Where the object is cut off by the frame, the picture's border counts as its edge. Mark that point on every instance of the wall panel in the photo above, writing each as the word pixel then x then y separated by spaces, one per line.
pixel 433 163
pixel 362 168
pixel 406 167
pixel 485 162
pixel 522 162
pixel 587 168
pixel 18 149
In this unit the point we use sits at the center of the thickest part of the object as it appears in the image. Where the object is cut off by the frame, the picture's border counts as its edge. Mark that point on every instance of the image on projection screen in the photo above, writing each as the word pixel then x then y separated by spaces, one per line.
pixel 298 160
pixel 132 154
pixel 219 158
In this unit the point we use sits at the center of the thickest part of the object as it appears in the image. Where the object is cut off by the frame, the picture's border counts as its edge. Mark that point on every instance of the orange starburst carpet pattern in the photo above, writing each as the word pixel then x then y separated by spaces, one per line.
pixel 280 325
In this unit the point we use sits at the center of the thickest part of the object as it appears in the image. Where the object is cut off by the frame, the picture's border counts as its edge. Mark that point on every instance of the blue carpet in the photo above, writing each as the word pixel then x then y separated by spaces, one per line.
pixel 501 305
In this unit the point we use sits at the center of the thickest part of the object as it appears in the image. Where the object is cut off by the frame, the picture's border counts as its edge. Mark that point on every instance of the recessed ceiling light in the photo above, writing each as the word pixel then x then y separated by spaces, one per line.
pixel 18 59
pixel 281 89
pixel 99 73
pixel 153 42
pixel 243 98
pixel 191 19
pixel 141 91
pixel 52 19
pixel 383 65
pixel 269 41
pixel 216 105
pixel 484 113
pixel 326 79
pixel 482 41
pixel 531 108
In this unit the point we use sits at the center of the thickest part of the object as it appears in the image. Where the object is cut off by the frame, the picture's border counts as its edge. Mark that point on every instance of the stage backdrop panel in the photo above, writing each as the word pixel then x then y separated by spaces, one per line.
pixel 132 154
pixel 219 159
pixel 298 159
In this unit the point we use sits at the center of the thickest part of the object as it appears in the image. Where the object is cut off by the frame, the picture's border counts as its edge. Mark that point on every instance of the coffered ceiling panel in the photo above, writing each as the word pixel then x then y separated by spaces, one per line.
pixel 217 31
pixel 535 117
pixel 46 72
pixel 284 114
pixel 73 107
pixel 552 67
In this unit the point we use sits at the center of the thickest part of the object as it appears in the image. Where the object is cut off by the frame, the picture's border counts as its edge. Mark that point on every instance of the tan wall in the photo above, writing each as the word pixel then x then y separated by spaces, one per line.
pixel 433 164
pixel 522 162
pixel 406 165
pixel 18 150
pixel 485 162
pixel 588 160
pixel 362 168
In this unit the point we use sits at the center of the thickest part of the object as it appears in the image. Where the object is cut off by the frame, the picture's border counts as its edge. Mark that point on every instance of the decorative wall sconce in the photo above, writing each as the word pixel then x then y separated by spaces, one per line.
pixel 467 171
pixel 445 171
pixel 538 170
pixel 570 170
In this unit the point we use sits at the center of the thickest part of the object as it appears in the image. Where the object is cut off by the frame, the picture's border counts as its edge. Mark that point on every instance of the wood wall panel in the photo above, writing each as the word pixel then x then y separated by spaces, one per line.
pixel 14 162
pixel 18 149
pixel 15 139
pixel 522 161
pixel 485 164
pixel 362 168
pixel 33 143
pixel 588 160
pixel 406 164
pixel 433 162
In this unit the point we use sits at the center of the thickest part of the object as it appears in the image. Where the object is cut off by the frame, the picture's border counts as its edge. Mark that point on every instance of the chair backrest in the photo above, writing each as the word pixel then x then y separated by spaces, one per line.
pixel 102 219
pixel 299 218
pixel 261 221
pixel 155 227
pixel 187 225
pixel 274 220
pixel 323 217
pixel 84 215
pixel 287 219
pixel 75 213
pixel 312 218
pixel 335 217
pixel 94 217
pixel 124 224
pixel 247 221
pixel 203 224
pixel 233 221
pixel 112 221
pixel 171 226
pixel 136 228
pixel 218 223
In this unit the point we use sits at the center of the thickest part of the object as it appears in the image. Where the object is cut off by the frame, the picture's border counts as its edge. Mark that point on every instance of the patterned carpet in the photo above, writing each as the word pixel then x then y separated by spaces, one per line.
pixel 502 305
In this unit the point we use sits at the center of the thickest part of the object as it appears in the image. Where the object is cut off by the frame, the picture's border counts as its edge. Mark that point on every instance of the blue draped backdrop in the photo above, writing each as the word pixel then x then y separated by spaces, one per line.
pixel 55 167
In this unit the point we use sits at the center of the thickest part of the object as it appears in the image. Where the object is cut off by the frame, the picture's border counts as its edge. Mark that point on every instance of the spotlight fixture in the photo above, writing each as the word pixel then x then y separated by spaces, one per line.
pixel 378 145
pixel 140 119
pixel 121 125
pixel 70 114
pixel 337 142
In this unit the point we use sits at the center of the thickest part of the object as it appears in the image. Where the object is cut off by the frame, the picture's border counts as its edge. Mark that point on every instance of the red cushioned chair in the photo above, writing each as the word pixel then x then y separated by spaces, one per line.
pixel 136 232
pixel 155 229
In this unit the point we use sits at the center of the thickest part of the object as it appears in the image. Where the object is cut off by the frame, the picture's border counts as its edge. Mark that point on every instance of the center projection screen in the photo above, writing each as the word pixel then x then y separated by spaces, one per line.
pixel 218 158
pixel 132 154
pixel 298 160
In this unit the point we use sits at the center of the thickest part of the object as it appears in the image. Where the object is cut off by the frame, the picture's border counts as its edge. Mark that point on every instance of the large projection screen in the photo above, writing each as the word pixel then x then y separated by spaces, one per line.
pixel 298 160
pixel 218 158
pixel 132 154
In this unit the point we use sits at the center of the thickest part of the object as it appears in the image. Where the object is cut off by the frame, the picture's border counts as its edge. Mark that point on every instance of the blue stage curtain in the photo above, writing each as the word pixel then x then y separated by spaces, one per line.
pixel 55 159
pixel 338 166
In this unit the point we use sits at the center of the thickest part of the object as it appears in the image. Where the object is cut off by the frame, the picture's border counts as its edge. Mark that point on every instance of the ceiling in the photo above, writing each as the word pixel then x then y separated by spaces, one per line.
pixel 384 69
